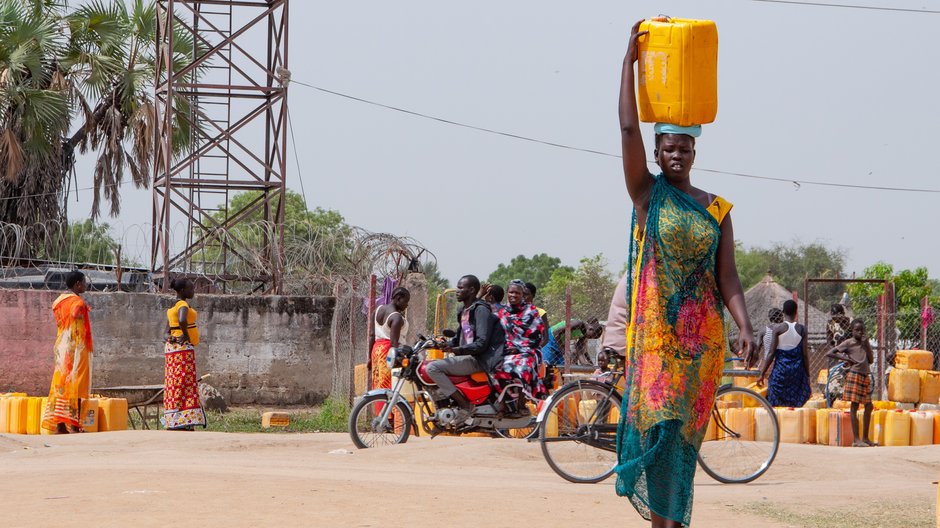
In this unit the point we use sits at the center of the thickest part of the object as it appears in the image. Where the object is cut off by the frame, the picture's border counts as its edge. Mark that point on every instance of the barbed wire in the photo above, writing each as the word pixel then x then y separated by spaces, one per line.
pixel 315 257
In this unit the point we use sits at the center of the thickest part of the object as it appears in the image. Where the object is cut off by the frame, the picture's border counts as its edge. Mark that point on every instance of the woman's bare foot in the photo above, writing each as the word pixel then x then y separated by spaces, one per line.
pixel 60 428
pixel 859 443
pixel 870 443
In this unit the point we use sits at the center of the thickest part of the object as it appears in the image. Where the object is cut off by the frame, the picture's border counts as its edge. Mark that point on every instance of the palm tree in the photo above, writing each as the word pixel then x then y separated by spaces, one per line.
pixel 93 64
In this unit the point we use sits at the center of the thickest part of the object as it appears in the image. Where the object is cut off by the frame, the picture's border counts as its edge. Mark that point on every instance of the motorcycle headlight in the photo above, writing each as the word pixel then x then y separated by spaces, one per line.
pixel 390 358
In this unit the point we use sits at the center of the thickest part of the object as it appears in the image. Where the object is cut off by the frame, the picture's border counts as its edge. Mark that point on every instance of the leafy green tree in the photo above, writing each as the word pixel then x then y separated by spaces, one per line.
pixel 790 264
pixel 86 243
pixel 95 64
pixel 538 270
pixel 592 286
pixel 317 243
pixel 437 283
pixel 910 287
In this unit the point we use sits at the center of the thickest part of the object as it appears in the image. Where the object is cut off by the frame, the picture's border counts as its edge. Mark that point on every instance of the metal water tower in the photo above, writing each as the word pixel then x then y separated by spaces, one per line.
pixel 221 102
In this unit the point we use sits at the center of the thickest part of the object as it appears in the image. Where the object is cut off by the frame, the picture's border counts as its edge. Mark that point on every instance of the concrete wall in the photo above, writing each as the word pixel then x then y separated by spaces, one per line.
pixel 268 350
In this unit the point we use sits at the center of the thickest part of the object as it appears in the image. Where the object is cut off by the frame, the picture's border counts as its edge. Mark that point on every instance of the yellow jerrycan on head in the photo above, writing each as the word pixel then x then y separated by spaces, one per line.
pixel 677 71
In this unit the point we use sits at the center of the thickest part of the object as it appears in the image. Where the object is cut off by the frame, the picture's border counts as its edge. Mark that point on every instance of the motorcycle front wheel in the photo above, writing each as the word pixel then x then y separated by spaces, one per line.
pixel 367 429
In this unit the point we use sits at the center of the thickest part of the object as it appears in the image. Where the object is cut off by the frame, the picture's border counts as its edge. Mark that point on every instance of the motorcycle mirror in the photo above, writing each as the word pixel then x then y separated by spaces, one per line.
pixel 447 332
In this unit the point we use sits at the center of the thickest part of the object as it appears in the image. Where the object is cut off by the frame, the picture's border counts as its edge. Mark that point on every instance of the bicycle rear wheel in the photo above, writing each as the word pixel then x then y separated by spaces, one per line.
pixel 579 431
pixel 739 452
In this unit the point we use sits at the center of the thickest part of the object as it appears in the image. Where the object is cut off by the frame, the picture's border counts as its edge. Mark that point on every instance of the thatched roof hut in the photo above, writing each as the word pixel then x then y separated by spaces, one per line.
pixel 768 294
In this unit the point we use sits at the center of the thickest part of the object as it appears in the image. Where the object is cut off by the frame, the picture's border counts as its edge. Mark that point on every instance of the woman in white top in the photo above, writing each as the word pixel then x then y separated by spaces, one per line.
pixel 390 326
pixel 789 380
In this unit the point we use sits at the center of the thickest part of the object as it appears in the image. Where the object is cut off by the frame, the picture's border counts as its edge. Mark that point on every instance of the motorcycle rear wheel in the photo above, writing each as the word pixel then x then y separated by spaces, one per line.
pixel 365 429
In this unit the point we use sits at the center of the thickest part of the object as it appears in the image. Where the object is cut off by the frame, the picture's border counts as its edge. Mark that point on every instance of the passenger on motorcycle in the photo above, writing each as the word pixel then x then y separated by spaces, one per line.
pixel 524 329
pixel 478 346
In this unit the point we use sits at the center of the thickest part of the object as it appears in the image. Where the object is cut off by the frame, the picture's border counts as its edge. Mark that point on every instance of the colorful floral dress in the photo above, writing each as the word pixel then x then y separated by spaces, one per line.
pixel 675 350
pixel 182 408
pixel 523 328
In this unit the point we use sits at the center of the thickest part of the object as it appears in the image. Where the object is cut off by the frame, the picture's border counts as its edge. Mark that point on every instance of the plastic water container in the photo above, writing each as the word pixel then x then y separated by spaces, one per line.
pixel 33 415
pixel 586 409
pixel 884 405
pixel 791 425
pixel 936 428
pixel 929 386
pixel 751 402
pixel 677 67
pixel 914 359
pixel 809 425
pixel 840 429
pixel 904 385
pixel 822 426
pixel 898 428
pixel 19 412
pixel 741 421
pixel 360 375
pixel 90 416
pixel 815 403
pixel 5 414
pixel 711 432
pixel 112 414
pixel 876 427
pixel 763 425
pixel 407 390
pixel 921 428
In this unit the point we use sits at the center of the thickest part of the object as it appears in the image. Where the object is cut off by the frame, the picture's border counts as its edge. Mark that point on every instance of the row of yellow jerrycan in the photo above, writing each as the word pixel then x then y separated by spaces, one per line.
pixel 21 414
pixel 887 427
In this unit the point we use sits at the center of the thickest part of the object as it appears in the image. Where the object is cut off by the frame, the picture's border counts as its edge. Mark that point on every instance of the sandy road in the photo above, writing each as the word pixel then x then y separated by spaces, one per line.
pixel 159 478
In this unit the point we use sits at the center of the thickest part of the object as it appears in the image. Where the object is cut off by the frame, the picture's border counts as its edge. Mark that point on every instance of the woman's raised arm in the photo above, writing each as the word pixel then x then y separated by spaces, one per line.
pixel 638 178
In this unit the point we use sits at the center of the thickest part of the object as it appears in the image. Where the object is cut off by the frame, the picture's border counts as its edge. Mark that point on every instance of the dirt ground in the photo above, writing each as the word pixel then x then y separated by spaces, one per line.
pixel 160 478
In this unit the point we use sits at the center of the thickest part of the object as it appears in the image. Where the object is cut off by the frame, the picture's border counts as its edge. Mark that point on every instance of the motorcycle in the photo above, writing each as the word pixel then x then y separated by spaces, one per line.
pixel 503 407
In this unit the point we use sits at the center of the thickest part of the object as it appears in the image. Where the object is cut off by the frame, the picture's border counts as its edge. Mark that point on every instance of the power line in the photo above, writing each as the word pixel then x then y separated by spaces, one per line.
pixel 455 123
pixel 605 154
pixel 290 126
pixel 849 6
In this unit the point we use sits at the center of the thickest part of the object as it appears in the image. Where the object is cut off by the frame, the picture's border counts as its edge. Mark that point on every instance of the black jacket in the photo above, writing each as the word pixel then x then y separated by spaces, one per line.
pixel 489 339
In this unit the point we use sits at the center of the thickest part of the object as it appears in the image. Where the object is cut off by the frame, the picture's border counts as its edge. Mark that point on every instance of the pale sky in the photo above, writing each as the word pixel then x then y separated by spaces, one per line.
pixel 811 93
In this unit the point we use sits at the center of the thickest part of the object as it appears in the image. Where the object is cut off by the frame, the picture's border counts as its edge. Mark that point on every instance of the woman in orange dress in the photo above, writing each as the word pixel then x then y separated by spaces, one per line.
pixel 72 375
pixel 182 409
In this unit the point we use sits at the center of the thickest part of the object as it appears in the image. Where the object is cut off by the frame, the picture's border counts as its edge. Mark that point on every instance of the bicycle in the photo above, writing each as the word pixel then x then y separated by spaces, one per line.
pixel 578 431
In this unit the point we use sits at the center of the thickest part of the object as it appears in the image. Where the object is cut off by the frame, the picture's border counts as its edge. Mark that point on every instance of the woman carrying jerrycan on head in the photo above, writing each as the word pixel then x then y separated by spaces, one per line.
pixel 682 274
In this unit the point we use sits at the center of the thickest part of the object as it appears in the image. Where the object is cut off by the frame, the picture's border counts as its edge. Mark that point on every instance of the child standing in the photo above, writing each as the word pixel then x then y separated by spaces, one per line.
pixel 858 354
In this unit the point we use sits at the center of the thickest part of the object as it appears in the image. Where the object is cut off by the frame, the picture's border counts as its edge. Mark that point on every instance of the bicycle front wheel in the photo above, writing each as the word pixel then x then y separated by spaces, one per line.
pixel 579 432
pixel 742 439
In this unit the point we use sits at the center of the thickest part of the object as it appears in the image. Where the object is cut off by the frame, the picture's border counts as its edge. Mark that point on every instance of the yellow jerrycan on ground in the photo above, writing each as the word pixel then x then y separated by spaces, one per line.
pixel 677 71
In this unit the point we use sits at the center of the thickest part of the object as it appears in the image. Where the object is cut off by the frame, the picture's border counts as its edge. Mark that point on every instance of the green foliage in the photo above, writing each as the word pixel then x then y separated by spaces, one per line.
pixel 94 63
pixel 436 285
pixel 910 287
pixel 790 264
pixel 538 270
pixel 317 242
pixel 592 286
pixel 87 242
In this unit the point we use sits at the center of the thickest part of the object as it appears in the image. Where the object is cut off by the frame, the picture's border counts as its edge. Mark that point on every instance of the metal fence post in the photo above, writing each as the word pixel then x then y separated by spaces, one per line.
pixel 370 325
pixel 567 327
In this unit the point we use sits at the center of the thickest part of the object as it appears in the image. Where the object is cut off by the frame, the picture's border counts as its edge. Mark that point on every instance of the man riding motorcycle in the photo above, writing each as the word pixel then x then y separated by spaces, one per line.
pixel 478 346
